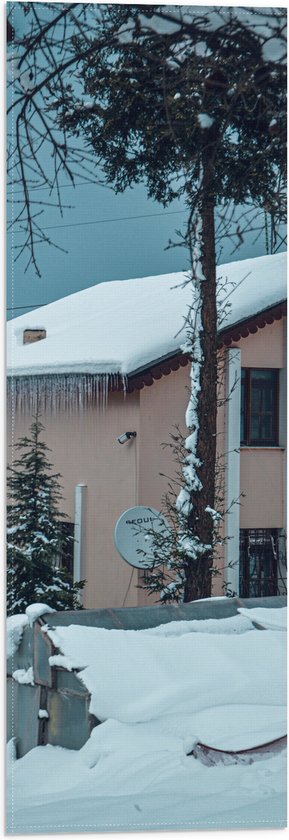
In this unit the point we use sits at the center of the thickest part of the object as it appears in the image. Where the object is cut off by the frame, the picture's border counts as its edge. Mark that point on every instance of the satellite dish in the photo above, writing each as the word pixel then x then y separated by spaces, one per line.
pixel 134 538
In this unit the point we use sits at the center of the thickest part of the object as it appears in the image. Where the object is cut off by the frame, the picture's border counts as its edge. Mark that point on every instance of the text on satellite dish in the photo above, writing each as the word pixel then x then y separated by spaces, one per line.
pixel 140 521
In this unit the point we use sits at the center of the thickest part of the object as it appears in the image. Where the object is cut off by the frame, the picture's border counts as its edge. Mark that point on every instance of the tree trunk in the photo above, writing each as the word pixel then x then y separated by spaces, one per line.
pixel 198 573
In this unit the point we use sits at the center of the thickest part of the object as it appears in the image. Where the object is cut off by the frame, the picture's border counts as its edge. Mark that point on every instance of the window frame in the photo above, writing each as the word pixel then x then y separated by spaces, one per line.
pixel 65 559
pixel 259 584
pixel 249 441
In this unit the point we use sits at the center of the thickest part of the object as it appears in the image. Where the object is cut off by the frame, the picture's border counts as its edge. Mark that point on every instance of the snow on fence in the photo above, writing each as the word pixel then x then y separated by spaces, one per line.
pixel 49 704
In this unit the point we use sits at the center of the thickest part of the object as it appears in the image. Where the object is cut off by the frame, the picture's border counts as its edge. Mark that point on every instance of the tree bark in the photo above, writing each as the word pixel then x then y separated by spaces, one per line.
pixel 198 573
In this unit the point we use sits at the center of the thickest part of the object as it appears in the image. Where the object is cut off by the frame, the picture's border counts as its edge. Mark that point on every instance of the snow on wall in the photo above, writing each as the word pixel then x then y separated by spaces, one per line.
pixel 113 329
pixel 152 674
pixel 16 624
pixel 24 677
pixel 15 627
pixel 270 619
pixel 34 611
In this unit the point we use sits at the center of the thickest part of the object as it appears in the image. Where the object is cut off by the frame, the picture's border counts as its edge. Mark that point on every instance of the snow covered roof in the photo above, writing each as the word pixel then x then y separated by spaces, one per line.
pixel 123 326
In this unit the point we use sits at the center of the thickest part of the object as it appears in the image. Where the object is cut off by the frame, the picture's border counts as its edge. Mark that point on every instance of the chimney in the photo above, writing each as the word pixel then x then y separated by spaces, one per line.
pixel 30 336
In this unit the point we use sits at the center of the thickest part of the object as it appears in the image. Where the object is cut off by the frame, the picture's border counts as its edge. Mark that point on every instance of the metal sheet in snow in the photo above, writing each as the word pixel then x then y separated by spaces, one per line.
pixel 10 708
pixel 43 648
pixel 138 618
pixel 61 693
pixel 23 656
pixel 25 724
pixel 69 724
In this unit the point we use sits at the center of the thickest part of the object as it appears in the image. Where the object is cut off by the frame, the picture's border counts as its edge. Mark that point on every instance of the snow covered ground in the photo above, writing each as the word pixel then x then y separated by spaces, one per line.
pixel 158 693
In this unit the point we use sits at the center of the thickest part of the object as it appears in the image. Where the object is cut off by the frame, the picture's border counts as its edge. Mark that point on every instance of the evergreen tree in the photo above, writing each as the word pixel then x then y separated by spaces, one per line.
pixel 192 101
pixel 36 539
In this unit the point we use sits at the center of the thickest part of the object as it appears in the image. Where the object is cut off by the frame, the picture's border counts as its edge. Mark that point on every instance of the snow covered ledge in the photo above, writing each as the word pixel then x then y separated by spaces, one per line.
pixel 233 407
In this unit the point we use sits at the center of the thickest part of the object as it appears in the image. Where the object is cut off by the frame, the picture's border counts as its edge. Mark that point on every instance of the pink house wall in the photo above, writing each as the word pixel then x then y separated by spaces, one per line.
pixel 262 482
pixel 162 406
pixel 85 450
pixel 265 348
pixel 263 470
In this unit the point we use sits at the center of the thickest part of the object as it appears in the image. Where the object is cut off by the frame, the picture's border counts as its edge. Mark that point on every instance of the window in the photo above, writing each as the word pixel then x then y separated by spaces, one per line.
pixel 259 407
pixel 262 562
pixel 65 559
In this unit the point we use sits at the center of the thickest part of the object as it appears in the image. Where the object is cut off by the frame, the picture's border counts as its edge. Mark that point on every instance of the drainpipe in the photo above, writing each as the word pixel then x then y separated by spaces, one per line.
pixel 79 533
pixel 233 409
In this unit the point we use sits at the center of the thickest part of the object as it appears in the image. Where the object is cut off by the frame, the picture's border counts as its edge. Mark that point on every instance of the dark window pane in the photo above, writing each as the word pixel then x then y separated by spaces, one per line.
pixel 262 375
pixel 256 398
pixel 255 427
pixel 259 394
pixel 267 427
pixel 66 559
pixel 262 427
pixel 268 399
pixel 258 562
pixel 243 435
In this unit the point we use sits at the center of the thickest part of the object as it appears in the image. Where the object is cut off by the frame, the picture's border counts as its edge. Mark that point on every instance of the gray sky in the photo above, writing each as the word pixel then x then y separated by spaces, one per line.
pixel 101 249
pixel 107 237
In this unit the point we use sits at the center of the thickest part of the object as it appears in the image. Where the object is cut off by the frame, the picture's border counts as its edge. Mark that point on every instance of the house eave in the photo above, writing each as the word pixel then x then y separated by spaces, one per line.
pixel 249 326
pixel 227 336
pixel 148 373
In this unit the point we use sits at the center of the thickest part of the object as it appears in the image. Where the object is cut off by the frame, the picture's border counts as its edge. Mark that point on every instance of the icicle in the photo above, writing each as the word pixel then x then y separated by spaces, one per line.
pixel 62 392
pixel 124 384
pixel 105 385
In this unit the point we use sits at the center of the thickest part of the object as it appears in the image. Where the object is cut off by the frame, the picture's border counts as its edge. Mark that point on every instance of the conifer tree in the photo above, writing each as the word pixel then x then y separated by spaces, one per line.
pixel 36 539
pixel 191 102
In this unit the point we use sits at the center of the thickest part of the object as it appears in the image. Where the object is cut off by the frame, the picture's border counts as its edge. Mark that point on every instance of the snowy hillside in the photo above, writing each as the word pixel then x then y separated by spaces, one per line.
pixel 220 683
pixel 119 327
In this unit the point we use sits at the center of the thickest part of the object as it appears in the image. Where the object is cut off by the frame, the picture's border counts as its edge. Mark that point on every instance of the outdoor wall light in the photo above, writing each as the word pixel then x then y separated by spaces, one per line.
pixel 126 436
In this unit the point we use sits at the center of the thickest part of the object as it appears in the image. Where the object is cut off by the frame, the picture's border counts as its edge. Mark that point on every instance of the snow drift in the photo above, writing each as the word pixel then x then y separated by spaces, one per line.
pixel 159 692
pixel 182 674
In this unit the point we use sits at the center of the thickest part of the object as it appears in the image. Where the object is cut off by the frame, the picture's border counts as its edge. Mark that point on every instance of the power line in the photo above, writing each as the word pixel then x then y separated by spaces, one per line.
pixel 106 221
pixel 36 305
pixel 63 187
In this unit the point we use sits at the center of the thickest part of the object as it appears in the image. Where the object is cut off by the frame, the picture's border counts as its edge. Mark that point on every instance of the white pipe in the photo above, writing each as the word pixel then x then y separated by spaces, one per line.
pixel 233 371
pixel 79 533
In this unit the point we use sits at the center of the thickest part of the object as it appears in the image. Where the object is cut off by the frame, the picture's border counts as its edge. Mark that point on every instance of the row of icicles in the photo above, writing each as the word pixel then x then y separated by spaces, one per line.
pixel 63 392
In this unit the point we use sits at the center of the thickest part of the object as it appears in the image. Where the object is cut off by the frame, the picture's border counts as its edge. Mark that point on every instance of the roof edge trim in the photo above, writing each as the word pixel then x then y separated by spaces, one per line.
pixel 162 367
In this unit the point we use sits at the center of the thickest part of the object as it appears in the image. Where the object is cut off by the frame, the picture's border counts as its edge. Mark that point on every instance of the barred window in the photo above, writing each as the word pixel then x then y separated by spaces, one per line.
pixel 65 559
pixel 259 407
pixel 262 562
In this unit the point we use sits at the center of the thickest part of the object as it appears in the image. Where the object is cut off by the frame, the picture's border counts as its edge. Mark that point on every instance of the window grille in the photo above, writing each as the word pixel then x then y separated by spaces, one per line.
pixel 65 559
pixel 262 562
